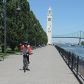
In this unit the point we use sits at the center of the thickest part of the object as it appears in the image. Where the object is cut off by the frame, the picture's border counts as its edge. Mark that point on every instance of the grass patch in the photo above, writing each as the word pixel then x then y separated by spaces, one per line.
pixel 8 52
pixel 2 56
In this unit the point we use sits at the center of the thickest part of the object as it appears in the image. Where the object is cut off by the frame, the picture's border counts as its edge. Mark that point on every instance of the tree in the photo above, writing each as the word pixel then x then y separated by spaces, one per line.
pixel 17 26
pixel 82 43
pixel 22 25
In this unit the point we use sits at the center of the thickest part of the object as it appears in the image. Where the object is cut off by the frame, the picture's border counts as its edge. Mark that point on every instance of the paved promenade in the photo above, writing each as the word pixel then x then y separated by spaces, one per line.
pixel 46 67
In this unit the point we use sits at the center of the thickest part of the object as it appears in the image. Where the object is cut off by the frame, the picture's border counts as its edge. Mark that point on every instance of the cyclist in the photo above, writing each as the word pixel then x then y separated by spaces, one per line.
pixel 25 53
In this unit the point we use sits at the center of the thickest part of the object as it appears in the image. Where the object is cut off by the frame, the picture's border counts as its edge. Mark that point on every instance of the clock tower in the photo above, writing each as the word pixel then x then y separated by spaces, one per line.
pixel 49 26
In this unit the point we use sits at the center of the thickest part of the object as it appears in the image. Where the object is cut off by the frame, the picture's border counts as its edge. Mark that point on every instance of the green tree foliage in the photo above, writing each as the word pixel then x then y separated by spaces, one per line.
pixel 82 43
pixel 22 25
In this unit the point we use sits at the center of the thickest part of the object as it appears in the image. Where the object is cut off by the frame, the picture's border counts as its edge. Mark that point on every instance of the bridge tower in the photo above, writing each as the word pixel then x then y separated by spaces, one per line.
pixel 49 26
pixel 79 41
pixel 80 33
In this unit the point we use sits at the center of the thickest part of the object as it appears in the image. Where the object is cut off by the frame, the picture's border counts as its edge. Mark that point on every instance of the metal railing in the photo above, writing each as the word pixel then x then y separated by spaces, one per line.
pixel 75 63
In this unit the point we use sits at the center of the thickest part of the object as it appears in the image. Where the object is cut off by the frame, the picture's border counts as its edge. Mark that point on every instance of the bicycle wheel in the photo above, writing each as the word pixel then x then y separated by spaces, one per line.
pixel 25 64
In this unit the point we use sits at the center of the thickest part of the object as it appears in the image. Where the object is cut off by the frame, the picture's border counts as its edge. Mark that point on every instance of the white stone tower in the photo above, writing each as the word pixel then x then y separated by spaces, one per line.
pixel 49 26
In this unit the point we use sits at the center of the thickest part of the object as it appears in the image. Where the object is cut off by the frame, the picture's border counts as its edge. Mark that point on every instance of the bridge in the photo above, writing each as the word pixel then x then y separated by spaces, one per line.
pixel 78 35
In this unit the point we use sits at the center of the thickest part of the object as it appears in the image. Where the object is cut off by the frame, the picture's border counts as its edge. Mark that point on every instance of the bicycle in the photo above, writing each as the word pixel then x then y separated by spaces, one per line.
pixel 25 63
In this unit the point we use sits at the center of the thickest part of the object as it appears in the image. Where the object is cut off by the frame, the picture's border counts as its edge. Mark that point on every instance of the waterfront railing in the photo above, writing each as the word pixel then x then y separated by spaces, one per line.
pixel 74 62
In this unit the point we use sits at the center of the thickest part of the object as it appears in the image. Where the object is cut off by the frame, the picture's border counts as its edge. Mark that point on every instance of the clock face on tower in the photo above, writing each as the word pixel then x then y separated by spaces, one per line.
pixel 49 19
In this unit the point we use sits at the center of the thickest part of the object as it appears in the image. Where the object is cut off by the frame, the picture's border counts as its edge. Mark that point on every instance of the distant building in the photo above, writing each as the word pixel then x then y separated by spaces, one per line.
pixel 49 26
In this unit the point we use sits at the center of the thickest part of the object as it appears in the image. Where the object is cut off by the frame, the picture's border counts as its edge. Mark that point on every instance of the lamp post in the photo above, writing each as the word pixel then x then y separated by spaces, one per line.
pixel 35 34
pixel 4 16
pixel 18 8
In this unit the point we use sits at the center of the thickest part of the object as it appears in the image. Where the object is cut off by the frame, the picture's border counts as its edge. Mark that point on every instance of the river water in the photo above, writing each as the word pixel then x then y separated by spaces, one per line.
pixel 76 49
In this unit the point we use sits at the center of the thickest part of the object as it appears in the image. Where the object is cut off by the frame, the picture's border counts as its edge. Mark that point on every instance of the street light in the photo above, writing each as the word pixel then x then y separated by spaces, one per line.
pixel 5 21
pixel 35 34
pixel 18 8
pixel 4 16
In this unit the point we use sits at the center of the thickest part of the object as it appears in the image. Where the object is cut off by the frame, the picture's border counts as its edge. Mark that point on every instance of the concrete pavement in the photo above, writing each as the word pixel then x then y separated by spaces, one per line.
pixel 46 67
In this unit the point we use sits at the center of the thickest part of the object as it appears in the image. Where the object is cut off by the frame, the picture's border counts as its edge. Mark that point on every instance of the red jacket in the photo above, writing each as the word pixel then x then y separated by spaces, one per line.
pixel 30 50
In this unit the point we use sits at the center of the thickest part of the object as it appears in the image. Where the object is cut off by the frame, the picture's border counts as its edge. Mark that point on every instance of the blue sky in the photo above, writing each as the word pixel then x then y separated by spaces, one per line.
pixel 68 15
